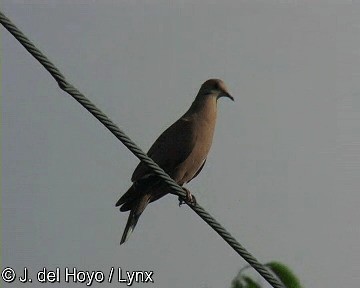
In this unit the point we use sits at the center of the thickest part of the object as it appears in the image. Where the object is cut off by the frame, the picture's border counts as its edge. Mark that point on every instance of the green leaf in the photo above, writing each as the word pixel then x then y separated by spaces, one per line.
pixel 249 283
pixel 244 282
pixel 286 276
pixel 236 283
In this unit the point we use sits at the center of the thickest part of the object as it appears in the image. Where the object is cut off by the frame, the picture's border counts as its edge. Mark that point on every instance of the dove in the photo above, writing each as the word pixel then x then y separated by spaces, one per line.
pixel 181 151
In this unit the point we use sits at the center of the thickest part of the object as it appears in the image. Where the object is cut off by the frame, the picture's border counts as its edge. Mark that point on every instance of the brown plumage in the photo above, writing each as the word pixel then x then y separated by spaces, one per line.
pixel 181 150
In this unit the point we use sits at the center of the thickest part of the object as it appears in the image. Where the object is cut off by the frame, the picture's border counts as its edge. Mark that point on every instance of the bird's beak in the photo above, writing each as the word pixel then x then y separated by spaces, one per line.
pixel 226 94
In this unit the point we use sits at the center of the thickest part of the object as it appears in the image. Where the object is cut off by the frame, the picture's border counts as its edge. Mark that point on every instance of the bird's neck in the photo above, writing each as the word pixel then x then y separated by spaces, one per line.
pixel 204 108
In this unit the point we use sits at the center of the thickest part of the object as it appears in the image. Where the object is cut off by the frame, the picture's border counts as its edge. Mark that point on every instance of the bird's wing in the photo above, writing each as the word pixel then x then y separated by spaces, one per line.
pixel 172 147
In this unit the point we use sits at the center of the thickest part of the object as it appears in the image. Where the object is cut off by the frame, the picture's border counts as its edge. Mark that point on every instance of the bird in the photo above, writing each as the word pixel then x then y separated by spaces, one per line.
pixel 181 151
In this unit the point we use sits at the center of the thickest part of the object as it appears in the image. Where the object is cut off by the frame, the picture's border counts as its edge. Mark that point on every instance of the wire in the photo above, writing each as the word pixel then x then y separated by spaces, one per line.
pixel 114 129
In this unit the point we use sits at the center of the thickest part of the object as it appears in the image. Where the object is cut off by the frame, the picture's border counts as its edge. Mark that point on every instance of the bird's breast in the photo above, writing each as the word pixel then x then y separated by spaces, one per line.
pixel 204 136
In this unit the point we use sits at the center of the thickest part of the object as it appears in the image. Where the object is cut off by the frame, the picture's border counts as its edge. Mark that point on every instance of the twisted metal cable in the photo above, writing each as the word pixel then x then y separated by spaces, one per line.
pixel 177 190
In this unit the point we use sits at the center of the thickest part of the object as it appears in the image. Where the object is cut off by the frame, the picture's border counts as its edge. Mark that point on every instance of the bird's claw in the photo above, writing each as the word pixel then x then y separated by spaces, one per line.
pixel 189 199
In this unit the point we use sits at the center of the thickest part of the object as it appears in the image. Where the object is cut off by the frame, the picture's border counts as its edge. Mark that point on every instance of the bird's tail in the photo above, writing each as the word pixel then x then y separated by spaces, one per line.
pixel 134 215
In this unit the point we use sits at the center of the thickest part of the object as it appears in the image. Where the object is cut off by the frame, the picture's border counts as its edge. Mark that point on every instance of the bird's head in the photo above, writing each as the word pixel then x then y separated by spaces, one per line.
pixel 215 88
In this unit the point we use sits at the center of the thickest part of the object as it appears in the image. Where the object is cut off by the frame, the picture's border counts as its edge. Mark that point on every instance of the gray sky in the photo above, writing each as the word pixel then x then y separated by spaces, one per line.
pixel 283 172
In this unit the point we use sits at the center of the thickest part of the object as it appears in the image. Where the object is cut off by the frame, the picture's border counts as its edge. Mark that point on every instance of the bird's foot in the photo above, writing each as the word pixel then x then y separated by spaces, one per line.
pixel 190 199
